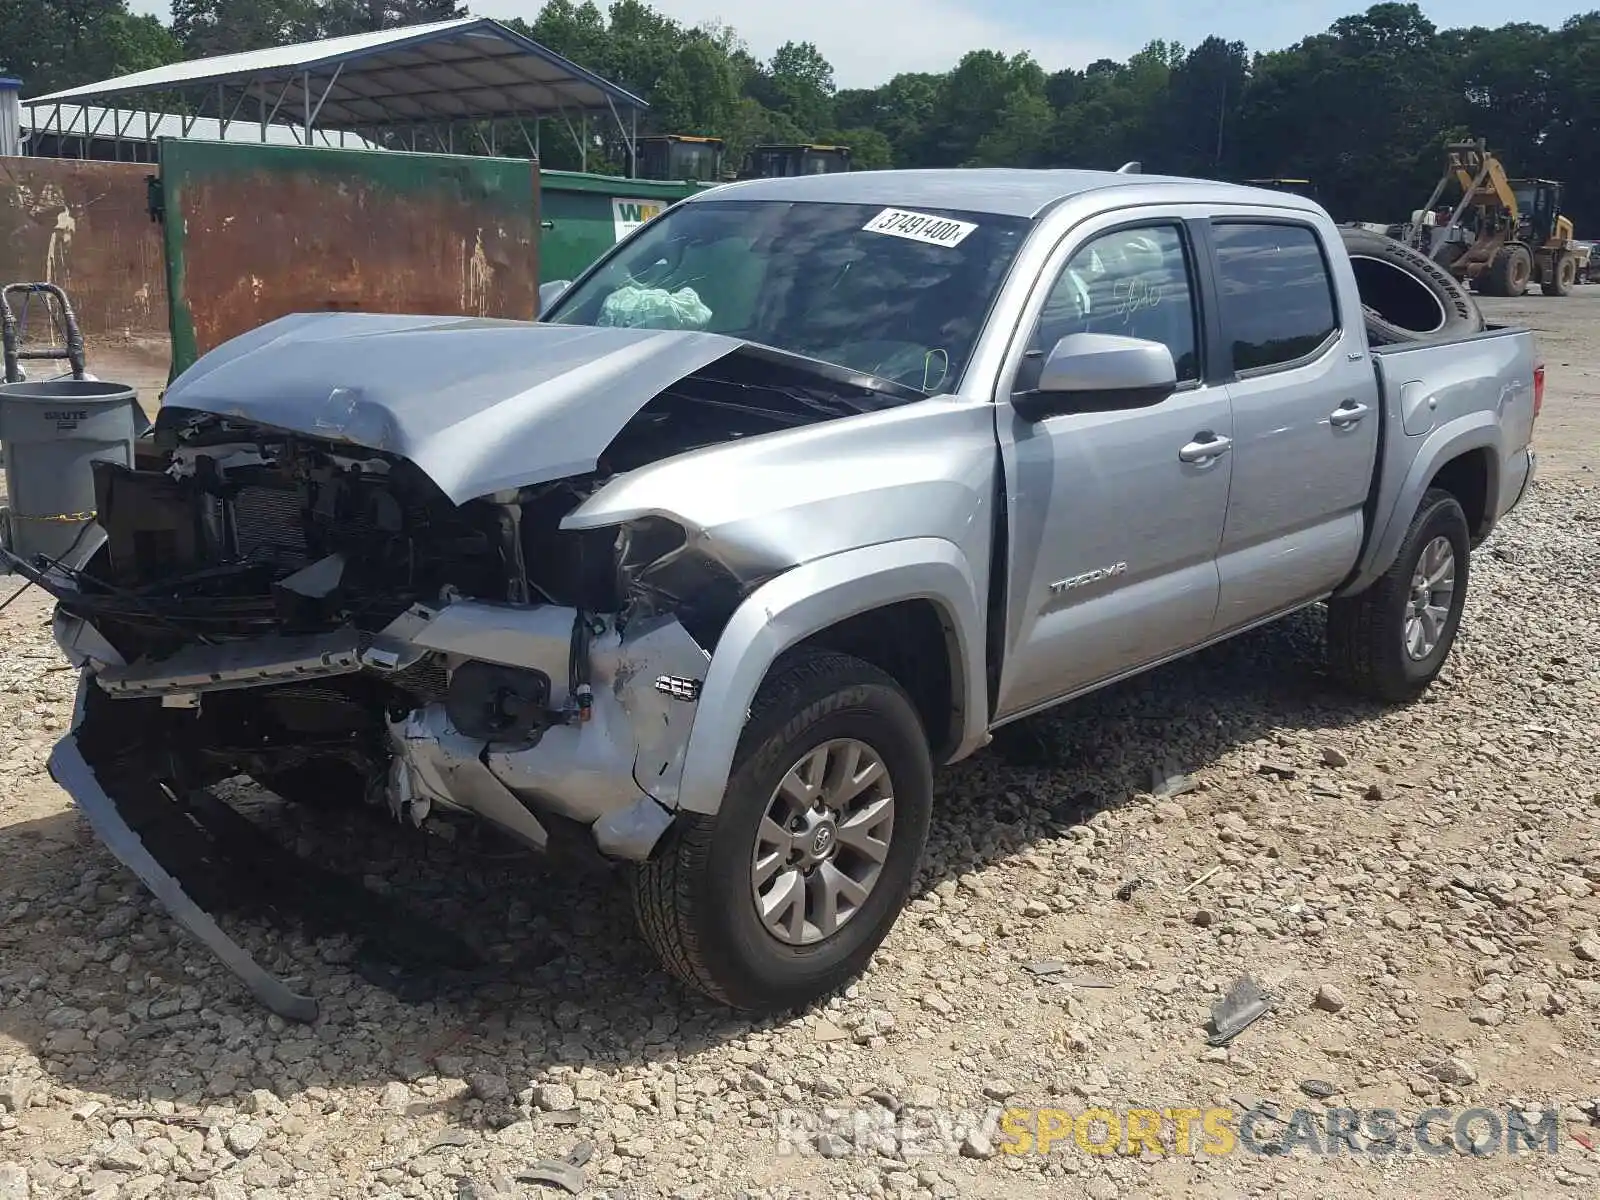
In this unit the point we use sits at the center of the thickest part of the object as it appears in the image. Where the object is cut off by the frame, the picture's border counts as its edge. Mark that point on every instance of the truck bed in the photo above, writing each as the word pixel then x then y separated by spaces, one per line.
pixel 1444 393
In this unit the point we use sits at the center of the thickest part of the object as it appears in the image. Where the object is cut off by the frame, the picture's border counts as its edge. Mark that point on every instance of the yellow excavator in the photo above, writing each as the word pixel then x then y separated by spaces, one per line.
pixel 1501 234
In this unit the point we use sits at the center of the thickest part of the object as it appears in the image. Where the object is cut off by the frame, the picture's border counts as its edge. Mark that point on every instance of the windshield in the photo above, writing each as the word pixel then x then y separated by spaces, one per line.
pixel 894 293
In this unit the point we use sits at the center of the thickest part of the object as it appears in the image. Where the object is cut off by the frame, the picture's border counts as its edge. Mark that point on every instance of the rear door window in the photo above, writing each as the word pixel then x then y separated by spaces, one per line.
pixel 1277 301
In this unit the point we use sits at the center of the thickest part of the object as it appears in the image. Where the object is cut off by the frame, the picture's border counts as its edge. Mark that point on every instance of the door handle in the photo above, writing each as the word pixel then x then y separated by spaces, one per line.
pixel 1205 448
pixel 1347 414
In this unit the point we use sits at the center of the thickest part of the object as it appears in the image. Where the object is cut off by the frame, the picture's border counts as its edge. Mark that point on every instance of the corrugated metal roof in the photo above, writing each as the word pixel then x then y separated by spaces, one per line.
pixel 472 68
pixel 78 120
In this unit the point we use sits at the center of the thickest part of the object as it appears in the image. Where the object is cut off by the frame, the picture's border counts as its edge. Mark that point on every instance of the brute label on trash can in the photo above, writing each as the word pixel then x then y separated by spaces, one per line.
pixel 53 432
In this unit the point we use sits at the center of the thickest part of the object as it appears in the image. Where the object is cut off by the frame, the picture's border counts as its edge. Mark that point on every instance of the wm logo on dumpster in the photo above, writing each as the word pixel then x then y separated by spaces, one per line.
pixel 628 215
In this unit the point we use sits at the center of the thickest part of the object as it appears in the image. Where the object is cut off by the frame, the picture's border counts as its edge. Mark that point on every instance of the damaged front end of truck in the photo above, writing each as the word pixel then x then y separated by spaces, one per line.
pixel 349 561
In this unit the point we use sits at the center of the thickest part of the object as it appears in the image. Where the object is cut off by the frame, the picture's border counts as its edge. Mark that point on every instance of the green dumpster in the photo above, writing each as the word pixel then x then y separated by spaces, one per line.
pixel 583 216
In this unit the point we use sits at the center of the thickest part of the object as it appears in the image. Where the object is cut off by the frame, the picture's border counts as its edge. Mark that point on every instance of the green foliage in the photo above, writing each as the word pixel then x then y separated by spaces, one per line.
pixel 800 81
pixel 1361 109
pixel 52 44
pixel 206 27
pixel 339 17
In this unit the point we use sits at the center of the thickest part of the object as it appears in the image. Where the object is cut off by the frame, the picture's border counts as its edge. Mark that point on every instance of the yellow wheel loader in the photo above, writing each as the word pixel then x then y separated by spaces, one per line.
pixel 1501 234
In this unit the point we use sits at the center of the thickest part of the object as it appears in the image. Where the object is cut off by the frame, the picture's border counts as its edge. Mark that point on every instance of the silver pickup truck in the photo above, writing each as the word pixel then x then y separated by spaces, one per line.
pixel 802 490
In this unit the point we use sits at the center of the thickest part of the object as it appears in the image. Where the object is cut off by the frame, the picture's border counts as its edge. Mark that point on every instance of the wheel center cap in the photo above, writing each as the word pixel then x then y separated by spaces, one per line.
pixel 822 840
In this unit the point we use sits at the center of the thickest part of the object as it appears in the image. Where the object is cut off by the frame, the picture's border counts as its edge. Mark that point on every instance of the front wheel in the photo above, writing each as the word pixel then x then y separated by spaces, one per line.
pixel 1563 274
pixel 1391 641
pixel 783 896
pixel 1508 271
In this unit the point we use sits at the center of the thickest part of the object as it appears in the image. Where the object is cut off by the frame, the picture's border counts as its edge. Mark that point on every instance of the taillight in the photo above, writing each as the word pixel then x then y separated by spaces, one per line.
pixel 1538 389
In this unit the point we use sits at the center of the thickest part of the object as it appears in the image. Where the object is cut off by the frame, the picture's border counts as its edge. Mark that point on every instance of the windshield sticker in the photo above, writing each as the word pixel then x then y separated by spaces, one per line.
pixel 919 227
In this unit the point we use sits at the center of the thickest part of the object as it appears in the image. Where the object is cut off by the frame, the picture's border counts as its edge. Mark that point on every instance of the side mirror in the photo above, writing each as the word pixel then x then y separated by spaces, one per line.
pixel 1097 372
pixel 550 292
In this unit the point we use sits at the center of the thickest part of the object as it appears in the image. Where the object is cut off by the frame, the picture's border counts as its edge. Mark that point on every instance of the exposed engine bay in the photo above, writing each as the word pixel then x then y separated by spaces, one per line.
pixel 321 617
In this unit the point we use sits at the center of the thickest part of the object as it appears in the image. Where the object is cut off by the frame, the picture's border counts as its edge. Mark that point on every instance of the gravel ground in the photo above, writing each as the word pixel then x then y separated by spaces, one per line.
pixel 1419 889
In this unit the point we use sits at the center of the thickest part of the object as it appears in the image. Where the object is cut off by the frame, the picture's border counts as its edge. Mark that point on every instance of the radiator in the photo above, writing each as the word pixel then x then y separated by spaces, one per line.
pixel 268 519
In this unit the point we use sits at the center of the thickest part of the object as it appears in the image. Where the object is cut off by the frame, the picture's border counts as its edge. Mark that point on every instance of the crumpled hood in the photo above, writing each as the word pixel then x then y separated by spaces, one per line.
pixel 479 405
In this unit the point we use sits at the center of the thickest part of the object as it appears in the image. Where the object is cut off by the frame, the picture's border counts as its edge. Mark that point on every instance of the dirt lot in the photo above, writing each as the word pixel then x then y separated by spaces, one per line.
pixel 1569 429
pixel 1418 889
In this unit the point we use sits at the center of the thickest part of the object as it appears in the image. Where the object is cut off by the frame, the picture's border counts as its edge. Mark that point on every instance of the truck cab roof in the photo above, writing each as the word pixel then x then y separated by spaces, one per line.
pixel 1001 191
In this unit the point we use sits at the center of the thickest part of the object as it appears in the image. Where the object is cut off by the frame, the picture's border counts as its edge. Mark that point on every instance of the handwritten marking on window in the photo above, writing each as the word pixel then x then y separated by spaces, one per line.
pixel 1130 296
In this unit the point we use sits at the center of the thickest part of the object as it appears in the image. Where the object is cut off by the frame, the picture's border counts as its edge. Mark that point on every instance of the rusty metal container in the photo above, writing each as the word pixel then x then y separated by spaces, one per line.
pixel 255 232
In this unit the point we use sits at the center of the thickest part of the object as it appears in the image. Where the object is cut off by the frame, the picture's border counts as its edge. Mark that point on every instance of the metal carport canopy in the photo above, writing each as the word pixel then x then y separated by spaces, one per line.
pixel 470 69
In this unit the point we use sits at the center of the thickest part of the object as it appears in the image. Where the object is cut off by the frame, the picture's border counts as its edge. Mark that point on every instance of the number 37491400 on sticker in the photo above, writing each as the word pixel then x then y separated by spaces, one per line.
pixel 920 227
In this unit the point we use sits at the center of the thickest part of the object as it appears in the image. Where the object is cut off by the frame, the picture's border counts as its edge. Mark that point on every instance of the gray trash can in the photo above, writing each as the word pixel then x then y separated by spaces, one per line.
pixel 52 431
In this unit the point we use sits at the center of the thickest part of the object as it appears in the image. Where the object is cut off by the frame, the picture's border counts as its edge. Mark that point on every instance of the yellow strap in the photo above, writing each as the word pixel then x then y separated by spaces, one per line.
pixel 63 518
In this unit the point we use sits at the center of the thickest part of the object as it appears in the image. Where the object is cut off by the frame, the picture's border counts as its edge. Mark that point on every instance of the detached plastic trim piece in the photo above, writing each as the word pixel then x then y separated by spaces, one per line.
pixel 236 665
pixel 72 772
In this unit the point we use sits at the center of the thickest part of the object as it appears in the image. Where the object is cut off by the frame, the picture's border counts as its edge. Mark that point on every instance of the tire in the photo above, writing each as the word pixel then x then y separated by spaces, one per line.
pixel 1508 272
pixel 1563 274
pixel 695 900
pixel 1368 647
pixel 1406 296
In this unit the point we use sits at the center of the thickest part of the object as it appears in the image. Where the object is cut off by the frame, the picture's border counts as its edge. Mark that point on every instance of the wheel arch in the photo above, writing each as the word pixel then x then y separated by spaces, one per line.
pixel 881 603
pixel 1466 454
pixel 914 642
pixel 1471 477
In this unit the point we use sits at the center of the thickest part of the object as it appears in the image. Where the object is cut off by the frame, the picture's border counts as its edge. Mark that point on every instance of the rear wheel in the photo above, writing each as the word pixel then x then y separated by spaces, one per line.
pixel 783 896
pixel 1391 641
pixel 1508 272
pixel 1563 274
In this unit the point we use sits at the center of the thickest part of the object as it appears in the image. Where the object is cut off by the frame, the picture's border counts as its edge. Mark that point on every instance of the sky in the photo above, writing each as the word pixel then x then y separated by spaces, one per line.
pixel 867 43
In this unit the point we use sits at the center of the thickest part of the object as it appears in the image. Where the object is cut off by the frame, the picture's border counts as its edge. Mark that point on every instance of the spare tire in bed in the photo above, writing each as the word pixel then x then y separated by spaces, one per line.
pixel 1406 296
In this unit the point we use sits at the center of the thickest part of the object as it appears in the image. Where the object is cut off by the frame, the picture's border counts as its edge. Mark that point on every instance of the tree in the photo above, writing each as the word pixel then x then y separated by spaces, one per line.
pixel 901 110
pixel 699 92
pixel 801 85
pixel 1118 111
pixel 971 100
pixel 1020 136
pixel 1575 118
pixel 869 148
pixel 1502 82
pixel 575 31
pixel 54 44
pixel 1362 109
pixel 753 124
pixel 341 17
pixel 1204 96
pixel 208 27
